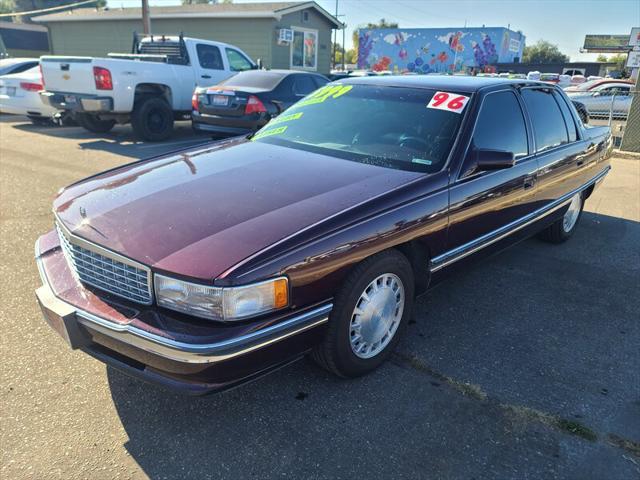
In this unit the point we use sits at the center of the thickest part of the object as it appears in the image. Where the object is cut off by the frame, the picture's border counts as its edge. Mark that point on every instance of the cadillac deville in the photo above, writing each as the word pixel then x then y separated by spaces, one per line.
pixel 205 268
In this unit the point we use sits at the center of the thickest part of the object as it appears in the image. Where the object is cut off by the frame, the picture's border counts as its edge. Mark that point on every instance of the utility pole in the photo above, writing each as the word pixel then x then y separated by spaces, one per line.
pixel 344 27
pixel 335 39
pixel 146 20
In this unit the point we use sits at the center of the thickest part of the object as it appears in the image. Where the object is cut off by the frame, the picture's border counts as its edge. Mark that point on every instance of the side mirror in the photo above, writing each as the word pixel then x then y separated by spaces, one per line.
pixel 597 94
pixel 492 159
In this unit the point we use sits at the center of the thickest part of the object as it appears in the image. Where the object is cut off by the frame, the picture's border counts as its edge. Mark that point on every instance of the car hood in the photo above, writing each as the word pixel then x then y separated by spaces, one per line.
pixel 200 212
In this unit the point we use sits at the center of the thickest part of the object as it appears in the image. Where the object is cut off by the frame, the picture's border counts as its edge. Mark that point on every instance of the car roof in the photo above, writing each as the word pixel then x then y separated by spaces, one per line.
pixel 460 83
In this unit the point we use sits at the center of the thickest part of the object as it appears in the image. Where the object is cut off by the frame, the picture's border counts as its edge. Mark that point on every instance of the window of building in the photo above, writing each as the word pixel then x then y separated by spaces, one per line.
pixel 304 49
pixel 548 124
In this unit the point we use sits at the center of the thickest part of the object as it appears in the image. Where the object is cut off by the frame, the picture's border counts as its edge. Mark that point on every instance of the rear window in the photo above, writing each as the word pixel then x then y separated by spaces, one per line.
pixel 255 79
pixel 548 124
pixel 385 126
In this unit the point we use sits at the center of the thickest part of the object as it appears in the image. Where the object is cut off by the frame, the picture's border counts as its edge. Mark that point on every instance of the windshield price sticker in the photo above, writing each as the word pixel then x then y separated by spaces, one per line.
pixel 324 93
pixel 286 118
pixel 268 133
pixel 452 102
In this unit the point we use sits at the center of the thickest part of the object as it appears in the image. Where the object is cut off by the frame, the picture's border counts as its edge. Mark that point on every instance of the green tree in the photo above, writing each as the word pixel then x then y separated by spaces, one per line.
pixel 350 56
pixel 7 6
pixel 383 23
pixel 543 52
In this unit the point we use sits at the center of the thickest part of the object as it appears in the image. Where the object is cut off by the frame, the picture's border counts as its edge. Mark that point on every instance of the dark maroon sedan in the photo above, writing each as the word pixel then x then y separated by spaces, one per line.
pixel 207 267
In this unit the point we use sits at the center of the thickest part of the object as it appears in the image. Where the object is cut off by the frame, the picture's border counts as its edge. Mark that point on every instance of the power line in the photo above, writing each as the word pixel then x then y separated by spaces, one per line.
pixel 44 10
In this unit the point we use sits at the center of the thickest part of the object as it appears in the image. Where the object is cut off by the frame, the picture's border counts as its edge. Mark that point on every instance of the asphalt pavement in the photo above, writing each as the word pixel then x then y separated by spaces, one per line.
pixel 525 366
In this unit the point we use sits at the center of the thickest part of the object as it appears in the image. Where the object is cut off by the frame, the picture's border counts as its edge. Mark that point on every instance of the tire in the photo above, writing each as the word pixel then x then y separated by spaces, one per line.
pixel 152 119
pixel 337 351
pixel 93 123
pixel 562 229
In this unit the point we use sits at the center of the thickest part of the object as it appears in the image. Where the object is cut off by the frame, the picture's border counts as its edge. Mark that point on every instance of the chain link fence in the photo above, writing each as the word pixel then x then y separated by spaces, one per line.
pixel 617 106
pixel 613 108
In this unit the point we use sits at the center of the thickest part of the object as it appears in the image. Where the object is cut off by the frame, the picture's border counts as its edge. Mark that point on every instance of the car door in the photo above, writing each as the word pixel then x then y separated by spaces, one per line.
pixel 210 69
pixel 293 88
pixel 566 161
pixel 485 204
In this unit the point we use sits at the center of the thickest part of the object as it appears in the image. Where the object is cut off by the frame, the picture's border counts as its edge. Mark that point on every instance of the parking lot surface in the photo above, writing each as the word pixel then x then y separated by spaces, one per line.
pixel 525 366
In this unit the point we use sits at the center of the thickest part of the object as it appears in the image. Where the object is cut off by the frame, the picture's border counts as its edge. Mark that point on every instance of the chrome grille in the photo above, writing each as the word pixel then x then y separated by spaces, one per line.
pixel 106 272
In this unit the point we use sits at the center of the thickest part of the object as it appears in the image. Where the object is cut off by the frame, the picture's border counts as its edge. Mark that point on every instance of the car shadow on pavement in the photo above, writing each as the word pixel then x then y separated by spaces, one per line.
pixel 120 141
pixel 525 364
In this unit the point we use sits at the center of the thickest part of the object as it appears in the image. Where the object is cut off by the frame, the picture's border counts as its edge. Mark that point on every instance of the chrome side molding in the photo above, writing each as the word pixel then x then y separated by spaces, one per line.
pixel 458 253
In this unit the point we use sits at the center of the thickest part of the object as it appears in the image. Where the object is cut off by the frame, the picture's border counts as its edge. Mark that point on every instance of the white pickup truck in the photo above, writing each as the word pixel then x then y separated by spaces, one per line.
pixel 150 87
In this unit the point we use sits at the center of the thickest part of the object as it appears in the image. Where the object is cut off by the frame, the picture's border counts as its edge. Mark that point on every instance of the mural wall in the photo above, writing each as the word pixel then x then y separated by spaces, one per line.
pixel 440 50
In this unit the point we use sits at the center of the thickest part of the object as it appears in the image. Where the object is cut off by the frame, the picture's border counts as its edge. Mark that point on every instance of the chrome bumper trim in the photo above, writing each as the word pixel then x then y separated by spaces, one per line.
pixel 188 352
pixel 494 236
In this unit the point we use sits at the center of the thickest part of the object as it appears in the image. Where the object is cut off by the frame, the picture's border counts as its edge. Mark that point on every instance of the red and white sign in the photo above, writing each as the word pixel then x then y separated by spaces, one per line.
pixel 451 102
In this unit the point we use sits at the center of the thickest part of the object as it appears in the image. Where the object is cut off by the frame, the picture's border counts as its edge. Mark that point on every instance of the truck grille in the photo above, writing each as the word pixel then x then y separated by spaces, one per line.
pixel 105 271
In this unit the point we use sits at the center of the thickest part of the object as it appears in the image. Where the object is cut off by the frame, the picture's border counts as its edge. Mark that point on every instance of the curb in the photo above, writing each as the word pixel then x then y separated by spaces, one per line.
pixel 627 155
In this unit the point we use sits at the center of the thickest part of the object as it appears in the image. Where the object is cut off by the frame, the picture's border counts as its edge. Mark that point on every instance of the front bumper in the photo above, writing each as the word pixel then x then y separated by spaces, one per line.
pixel 197 366
pixel 77 102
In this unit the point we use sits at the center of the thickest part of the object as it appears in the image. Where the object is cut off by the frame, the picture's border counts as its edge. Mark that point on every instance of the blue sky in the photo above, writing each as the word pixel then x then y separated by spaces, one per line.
pixel 563 22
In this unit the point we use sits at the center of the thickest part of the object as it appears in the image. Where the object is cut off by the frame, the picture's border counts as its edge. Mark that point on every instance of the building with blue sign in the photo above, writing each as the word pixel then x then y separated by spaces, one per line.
pixel 439 50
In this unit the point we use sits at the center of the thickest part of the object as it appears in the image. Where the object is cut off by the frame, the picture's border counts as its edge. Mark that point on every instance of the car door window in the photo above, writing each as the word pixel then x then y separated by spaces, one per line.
pixel 568 118
pixel 320 81
pixel 209 57
pixel 548 124
pixel 303 85
pixel 501 126
pixel 237 61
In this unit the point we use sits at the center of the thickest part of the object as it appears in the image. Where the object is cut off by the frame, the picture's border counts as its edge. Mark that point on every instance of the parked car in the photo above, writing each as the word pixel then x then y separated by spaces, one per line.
pixel 149 88
pixel 577 79
pixel 609 98
pixel 247 101
pixel 16 65
pixel 588 86
pixel 550 77
pixel 205 268
pixel 19 96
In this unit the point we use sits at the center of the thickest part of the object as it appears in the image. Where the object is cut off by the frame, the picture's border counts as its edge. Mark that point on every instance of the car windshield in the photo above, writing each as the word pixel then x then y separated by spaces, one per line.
pixel 392 127
pixel 254 79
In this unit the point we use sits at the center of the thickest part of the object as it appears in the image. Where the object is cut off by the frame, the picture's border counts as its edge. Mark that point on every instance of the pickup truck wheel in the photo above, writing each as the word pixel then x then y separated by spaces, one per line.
pixel 93 123
pixel 152 119
pixel 562 229
pixel 369 313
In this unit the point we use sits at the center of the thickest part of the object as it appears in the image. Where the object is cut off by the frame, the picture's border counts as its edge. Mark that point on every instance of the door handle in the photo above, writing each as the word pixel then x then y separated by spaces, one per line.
pixel 529 182
pixel 580 163
pixel 205 76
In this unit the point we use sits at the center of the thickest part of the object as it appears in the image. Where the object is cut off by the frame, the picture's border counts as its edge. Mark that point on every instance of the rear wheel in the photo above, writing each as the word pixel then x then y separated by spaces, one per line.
pixel 369 313
pixel 562 229
pixel 152 119
pixel 93 123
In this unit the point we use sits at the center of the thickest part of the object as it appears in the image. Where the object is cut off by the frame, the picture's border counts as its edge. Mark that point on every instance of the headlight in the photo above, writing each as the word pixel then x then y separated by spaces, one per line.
pixel 222 303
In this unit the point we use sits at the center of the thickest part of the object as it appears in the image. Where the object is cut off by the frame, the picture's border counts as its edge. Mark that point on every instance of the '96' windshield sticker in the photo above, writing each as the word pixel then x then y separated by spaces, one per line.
pixel 452 102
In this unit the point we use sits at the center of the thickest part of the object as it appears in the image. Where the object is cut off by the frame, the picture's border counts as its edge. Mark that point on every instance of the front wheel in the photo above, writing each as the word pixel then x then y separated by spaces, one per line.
pixel 369 313
pixel 93 123
pixel 562 229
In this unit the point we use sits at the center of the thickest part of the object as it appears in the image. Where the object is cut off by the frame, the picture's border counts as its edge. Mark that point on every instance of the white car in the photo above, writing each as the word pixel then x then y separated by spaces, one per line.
pixel 534 75
pixel 19 96
pixel 148 88
pixel 17 65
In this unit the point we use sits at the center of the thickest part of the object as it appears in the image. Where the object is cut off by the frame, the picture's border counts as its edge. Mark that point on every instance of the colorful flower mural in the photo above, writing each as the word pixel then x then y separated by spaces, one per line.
pixel 436 50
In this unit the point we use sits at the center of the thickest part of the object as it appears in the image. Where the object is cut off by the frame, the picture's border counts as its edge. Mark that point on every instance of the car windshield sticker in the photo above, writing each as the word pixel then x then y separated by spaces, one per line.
pixel 422 161
pixel 324 93
pixel 267 133
pixel 286 118
pixel 451 102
